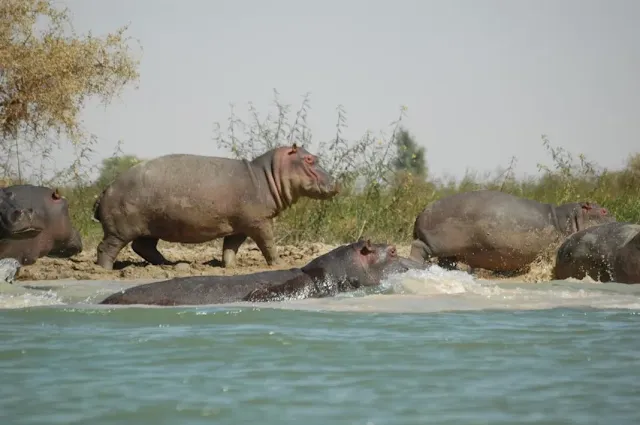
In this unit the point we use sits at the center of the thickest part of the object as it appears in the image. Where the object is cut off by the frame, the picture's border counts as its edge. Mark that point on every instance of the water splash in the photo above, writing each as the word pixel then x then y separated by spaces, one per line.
pixel 433 289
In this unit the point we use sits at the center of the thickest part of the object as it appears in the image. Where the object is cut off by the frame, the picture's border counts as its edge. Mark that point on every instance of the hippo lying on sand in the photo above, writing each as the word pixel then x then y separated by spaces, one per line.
pixel 345 268
pixel 495 230
pixel 195 199
pixel 608 253
pixel 57 239
pixel 18 222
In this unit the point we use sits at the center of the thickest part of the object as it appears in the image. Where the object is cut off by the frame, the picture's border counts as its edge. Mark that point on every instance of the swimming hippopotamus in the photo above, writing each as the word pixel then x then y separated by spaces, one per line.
pixel 58 238
pixel 195 199
pixel 18 222
pixel 496 231
pixel 343 269
pixel 609 252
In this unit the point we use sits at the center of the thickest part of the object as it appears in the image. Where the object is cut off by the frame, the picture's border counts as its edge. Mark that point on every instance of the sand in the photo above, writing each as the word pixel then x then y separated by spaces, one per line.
pixel 205 259
pixel 191 260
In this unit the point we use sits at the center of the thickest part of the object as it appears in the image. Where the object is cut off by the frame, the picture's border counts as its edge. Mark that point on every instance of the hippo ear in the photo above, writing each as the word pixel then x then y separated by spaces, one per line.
pixel 586 206
pixel 294 148
pixel 56 194
pixel 366 248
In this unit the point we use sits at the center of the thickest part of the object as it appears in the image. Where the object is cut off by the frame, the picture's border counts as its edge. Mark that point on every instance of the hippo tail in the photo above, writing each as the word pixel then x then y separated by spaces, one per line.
pixel 96 207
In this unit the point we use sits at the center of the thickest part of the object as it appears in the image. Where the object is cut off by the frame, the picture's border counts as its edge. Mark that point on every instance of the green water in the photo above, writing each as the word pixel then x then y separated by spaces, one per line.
pixel 475 353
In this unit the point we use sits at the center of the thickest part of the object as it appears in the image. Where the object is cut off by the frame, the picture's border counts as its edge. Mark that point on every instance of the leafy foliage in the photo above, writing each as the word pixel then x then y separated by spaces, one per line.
pixel 410 157
pixel 47 75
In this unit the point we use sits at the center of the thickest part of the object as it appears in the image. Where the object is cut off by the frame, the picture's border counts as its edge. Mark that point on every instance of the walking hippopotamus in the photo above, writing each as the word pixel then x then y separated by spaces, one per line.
pixel 609 252
pixel 195 199
pixel 17 222
pixel 58 238
pixel 495 230
pixel 343 269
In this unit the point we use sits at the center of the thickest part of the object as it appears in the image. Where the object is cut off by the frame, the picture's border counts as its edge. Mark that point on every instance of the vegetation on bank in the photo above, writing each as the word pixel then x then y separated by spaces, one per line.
pixel 385 177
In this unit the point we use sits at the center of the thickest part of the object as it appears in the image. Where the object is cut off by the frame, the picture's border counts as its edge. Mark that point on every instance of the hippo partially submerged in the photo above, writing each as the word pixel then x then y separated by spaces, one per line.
pixel 495 230
pixel 16 221
pixel 58 237
pixel 195 199
pixel 346 268
pixel 607 253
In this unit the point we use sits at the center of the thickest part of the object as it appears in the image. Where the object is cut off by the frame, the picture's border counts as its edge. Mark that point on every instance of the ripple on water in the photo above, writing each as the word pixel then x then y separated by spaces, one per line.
pixel 433 346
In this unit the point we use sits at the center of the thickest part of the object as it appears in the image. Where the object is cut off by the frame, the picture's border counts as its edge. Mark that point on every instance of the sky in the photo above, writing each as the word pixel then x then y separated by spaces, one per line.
pixel 481 80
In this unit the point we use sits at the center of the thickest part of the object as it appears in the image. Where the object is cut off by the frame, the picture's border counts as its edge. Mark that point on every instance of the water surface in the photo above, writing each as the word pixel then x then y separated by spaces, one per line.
pixel 432 347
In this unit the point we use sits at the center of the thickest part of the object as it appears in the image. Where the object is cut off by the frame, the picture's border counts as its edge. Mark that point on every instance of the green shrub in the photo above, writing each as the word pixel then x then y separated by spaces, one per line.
pixel 378 200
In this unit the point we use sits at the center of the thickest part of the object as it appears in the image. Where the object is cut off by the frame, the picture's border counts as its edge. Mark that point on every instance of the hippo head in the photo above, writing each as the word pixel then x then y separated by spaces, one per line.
pixel 574 217
pixel 17 222
pixel 66 239
pixel 357 264
pixel 297 172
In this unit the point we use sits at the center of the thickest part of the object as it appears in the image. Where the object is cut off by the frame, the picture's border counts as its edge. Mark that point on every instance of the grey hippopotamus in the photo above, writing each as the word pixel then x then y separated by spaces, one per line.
pixel 345 268
pixel 609 252
pixel 194 199
pixel 58 238
pixel 18 222
pixel 496 231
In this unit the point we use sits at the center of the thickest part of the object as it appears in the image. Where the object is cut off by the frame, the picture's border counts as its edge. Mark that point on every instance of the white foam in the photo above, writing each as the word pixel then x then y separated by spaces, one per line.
pixel 434 289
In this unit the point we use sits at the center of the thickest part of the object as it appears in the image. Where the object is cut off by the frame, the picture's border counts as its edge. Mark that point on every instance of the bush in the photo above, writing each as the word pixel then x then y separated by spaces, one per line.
pixel 379 200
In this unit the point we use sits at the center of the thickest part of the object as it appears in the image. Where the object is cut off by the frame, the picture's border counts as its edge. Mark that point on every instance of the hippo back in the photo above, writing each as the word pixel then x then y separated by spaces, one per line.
pixel 199 290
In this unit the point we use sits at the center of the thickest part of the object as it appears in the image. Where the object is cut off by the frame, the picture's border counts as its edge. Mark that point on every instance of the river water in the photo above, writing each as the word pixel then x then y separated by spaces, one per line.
pixel 433 347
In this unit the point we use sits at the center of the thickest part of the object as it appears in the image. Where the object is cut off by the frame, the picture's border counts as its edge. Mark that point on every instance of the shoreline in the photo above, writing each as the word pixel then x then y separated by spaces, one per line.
pixel 205 259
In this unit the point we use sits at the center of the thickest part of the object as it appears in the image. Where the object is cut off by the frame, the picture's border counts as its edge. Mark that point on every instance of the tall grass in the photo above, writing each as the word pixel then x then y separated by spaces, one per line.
pixel 377 201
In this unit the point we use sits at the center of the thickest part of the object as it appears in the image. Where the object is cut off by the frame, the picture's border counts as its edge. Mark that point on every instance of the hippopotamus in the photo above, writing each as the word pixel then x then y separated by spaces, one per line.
pixel 194 199
pixel 496 231
pixel 18 222
pixel 345 268
pixel 609 252
pixel 58 239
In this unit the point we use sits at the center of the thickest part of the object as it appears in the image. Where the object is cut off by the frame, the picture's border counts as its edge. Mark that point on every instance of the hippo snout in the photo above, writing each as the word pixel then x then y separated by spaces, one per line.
pixel 25 223
pixel 328 186
pixel 68 248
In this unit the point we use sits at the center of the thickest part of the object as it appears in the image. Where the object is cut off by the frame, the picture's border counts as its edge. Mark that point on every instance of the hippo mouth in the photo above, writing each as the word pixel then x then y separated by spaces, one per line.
pixel 26 233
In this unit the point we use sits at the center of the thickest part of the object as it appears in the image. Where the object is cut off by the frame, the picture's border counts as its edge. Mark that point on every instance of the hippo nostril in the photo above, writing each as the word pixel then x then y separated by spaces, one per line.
pixel 392 251
pixel 17 215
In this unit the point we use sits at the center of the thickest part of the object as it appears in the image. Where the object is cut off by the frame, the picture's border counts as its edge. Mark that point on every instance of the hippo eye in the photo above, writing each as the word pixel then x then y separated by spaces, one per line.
pixel 308 159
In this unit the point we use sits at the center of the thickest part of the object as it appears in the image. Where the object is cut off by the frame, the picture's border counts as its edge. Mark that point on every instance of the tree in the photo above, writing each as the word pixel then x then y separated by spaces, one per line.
pixel 113 166
pixel 46 76
pixel 410 157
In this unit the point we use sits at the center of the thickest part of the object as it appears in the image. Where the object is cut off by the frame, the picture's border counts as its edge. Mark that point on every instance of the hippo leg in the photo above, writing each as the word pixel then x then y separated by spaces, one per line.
pixel 230 246
pixel 147 248
pixel 419 251
pixel 263 237
pixel 108 250
pixel 448 263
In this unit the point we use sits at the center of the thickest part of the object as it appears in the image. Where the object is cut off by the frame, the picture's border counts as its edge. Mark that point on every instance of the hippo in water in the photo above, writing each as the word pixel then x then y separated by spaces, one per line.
pixel 609 252
pixel 195 199
pixel 18 222
pixel 345 268
pixel 58 238
pixel 495 230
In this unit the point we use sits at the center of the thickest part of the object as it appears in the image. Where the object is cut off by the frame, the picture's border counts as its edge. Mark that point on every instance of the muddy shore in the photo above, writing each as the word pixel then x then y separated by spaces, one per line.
pixel 205 259
pixel 191 260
